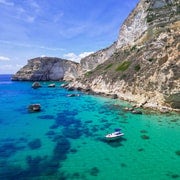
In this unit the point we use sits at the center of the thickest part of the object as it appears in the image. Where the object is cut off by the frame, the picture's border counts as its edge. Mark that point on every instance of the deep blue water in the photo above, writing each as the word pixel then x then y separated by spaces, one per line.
pixel 66 139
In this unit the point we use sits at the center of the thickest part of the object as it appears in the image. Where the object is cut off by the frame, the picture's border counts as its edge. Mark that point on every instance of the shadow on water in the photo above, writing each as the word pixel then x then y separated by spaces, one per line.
pixel 67 118
pixel 112 143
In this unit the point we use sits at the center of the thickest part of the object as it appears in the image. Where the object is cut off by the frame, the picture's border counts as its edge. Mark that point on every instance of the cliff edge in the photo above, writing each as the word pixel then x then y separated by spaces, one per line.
pixel 144 64
pixel 48 68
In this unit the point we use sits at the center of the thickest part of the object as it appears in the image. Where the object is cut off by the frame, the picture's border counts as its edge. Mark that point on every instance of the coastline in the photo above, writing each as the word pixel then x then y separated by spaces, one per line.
pixel 140 102
pixel 135 104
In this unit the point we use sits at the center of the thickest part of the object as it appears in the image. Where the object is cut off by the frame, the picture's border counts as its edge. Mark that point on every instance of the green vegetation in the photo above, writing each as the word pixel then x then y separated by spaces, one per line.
pixel 123 66
pixel 108 66
pixel 150 18
pixel 88 73
pixel 98 67
pixel 133 48
pixel 137 67
pixel 123 76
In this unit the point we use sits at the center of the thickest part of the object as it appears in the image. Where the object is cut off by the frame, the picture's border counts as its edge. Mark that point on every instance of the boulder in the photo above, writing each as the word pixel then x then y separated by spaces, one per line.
pixel 136 112
pixel 36 85
pixel 34 108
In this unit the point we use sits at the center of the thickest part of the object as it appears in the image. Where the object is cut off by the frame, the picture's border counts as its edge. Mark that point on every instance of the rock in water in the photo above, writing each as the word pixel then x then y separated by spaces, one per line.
pixel 34 108
pixel 36 85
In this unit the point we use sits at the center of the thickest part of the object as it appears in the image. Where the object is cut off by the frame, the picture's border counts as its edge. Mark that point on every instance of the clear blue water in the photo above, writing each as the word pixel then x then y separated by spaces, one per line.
pixel 66 139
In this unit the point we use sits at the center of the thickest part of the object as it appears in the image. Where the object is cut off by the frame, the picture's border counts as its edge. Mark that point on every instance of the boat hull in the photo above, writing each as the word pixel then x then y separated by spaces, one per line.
pixel 111 137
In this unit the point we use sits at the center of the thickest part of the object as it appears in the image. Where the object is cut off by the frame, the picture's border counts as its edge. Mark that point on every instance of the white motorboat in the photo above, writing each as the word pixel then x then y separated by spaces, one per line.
pixel 115 135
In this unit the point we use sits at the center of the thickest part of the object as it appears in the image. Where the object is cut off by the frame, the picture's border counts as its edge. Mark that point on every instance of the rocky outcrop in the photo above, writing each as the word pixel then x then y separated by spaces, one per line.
pixel 36 85
pixel 34 108
pixel 48 68
pixel 134 26
pixel 141 66
pixel 144 64
pixel 145 22
pixel 92 61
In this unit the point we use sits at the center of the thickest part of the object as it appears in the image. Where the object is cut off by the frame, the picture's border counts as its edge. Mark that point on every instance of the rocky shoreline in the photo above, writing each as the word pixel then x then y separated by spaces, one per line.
pixel 135 105
pixel 142 66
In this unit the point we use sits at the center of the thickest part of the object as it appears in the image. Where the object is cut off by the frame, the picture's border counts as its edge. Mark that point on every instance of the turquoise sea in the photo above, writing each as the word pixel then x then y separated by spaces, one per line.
pixel 65 141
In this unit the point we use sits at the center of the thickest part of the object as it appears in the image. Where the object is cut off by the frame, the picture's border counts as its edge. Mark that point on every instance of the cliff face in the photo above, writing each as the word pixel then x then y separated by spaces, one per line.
pixel 141 66
pixel 92 61
pixel 48 68
pixel 134 26
pixel 144 64
pixel 144 22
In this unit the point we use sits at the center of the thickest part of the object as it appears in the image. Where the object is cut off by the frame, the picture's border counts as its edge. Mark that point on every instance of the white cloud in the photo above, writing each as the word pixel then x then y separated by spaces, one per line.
pixel 43 55
pixel 7 3
pixel 84 54
pixel 24 15
pixel 3 58
pixel 71 56
pixel 74 57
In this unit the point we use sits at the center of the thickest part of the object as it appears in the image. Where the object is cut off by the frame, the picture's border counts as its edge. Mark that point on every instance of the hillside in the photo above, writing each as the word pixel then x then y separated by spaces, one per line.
pixel 48 68
pixel 144 66
pixel 141 66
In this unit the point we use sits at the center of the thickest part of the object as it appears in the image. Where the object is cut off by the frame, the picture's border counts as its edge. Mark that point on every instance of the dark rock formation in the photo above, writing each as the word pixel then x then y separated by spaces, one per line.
pixel 34 108
pixel 36 85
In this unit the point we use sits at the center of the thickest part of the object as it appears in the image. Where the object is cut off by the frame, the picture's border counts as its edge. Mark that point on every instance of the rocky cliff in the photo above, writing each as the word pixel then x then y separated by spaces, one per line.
pixel 143 66
pixel 48 68
pixel 92 61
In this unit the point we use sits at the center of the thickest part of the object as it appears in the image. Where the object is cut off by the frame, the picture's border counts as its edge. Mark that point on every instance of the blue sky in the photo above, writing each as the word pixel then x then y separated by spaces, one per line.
pixel 68 29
